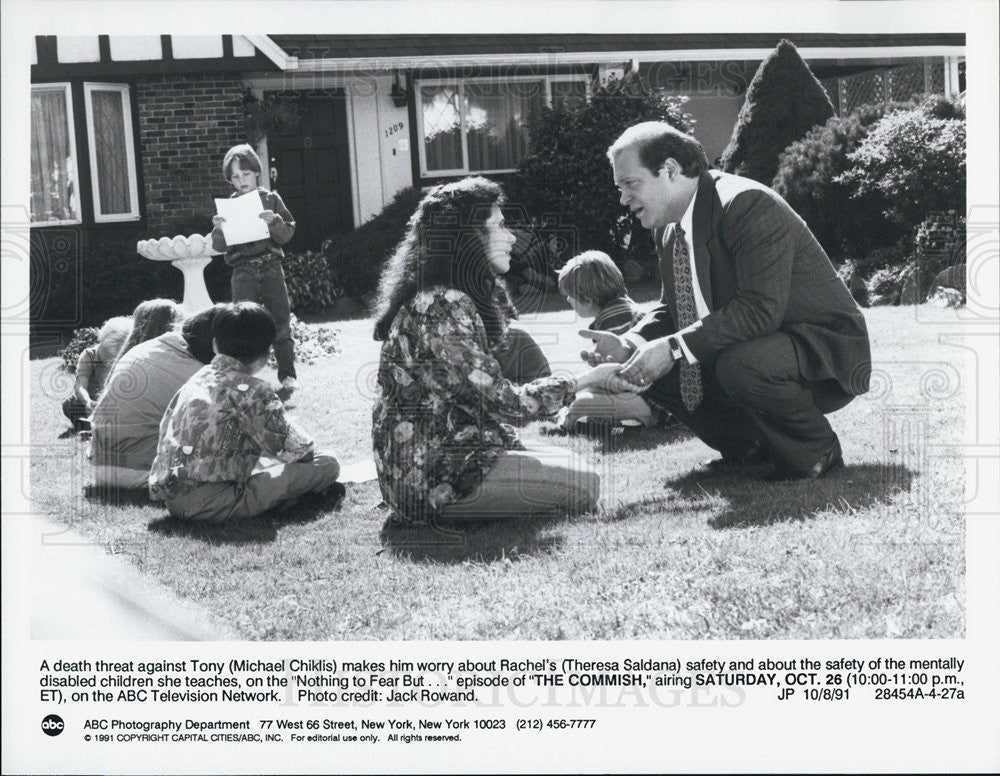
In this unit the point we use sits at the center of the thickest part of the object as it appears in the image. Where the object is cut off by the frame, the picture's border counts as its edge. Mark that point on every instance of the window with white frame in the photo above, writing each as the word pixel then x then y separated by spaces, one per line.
pixel 112 152
pixel 55 198
pixel 480 125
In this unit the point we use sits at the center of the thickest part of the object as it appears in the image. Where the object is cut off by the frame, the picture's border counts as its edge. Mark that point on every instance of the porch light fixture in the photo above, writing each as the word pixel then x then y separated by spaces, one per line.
pixel 398 93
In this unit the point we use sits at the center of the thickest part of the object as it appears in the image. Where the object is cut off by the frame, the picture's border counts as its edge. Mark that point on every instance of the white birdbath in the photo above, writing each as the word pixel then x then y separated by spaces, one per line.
pixel 190 255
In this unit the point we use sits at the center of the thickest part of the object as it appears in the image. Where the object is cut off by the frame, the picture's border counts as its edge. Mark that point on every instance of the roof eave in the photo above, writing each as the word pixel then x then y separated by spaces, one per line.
pixel 274 52
pixel 377 64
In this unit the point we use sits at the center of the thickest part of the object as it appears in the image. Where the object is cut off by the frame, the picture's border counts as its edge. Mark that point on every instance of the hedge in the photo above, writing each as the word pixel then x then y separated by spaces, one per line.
pixel 565 185
pixel 783 102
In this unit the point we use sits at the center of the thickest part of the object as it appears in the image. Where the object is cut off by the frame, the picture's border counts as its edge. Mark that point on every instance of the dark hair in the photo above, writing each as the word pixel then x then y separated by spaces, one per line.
pixel 657 141
pixel 244 155
pixel 150 319
pixel 244 330
pixel 242 161
pixel 444 245
pixel 197 333
pixel 592 276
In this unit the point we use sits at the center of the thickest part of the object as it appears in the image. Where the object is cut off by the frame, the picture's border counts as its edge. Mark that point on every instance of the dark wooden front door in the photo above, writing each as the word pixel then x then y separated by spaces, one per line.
pixel 313 167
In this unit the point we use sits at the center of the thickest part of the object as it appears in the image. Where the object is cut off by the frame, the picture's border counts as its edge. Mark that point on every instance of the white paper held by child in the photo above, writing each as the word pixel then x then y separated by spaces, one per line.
pixel 242 223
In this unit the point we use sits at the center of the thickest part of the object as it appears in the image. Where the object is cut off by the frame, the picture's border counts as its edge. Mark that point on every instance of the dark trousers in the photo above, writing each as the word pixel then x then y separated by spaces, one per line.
pixel 76 411
pixel 265 284
pixel 755 392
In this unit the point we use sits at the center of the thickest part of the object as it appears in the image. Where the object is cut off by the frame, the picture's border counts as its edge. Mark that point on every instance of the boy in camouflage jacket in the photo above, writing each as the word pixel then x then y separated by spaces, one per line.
pixel 222 421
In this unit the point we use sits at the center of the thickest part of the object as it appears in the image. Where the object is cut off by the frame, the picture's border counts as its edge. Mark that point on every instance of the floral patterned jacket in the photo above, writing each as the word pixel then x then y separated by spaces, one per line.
pixel 439 421
pixel 216 428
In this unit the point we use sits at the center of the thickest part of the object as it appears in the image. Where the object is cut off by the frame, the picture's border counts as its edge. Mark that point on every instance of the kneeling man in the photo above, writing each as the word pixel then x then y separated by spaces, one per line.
pixel 766 338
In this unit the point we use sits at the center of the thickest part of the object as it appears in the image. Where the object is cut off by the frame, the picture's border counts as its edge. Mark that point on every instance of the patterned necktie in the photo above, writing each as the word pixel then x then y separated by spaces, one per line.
pixel 687 313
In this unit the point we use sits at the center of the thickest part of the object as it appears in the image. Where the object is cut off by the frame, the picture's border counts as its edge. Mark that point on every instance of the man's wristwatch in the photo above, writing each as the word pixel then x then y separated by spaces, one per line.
pixel 675 347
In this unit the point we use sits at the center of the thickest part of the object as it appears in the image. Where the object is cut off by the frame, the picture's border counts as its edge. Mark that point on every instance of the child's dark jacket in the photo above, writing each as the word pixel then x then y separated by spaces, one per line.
pixel 617 316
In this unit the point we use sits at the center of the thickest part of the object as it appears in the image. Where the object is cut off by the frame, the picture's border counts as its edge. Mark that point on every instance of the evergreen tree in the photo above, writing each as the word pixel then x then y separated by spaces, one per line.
pixel 783 102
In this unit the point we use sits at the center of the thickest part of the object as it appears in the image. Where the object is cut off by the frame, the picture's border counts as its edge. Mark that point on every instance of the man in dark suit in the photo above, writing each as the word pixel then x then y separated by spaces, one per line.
pixel 766 336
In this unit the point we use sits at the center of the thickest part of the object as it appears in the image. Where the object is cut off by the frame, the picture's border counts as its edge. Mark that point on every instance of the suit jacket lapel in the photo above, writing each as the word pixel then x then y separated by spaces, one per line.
pixel 706 204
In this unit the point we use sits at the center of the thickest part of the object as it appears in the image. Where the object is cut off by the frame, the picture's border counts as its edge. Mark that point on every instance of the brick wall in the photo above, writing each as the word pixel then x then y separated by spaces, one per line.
pixel 186 124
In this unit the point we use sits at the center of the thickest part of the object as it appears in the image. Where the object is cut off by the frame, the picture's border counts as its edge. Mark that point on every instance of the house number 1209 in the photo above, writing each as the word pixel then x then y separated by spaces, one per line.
pixel 397 127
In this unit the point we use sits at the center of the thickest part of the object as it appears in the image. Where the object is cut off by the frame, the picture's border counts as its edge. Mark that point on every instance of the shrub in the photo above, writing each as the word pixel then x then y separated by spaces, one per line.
pixel 886 284
pixel 113 278
pixel 849 272
pixel 879 273
pixel 915 161
pixel 939 244
pixel 81 340
pixel 943 296
pixel 124 278
pixel 807 178
pixel 940 107
pixel 784 100
pixel 312 342
pixel 356 259
pixel 900 252
pixel 311 285
pixel 565 184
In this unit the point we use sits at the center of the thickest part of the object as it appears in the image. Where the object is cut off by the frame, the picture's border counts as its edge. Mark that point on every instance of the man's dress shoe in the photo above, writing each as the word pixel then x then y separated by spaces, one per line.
pixel 831 460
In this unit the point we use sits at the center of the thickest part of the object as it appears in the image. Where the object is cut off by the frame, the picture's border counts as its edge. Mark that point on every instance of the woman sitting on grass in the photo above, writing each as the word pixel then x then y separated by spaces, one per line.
pixel 443 445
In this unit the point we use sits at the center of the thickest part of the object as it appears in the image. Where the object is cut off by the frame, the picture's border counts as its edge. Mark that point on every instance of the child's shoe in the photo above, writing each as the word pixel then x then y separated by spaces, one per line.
pixel 285 390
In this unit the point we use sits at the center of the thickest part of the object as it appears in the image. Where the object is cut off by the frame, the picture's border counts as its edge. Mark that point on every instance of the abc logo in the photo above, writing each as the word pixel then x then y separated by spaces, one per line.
pixel 53 725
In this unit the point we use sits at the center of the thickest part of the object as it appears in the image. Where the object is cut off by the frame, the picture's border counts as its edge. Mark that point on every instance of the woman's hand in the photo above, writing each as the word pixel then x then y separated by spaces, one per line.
pixel 269 216
pixel 605 377
pixel 217 219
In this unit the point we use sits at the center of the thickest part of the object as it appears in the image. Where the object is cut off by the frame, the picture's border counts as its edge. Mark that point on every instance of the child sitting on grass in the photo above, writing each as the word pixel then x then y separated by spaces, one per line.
pixel 220 423
pixel 92 370
pixel 150 319
pixel 594 286
pixel 257 272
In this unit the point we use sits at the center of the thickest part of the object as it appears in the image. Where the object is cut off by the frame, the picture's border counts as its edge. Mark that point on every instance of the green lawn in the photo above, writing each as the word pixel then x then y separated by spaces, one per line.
pixel 673 552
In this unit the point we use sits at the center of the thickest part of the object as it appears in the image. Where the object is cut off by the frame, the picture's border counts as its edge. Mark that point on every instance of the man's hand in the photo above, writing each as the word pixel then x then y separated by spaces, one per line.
pixel 217 219
pixel 649 362
pixel 269 216
pixel 605 377
pixel 608 347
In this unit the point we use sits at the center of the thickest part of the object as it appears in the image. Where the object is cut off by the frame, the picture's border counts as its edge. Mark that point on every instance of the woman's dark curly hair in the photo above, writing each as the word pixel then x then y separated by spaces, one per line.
pixel 444 245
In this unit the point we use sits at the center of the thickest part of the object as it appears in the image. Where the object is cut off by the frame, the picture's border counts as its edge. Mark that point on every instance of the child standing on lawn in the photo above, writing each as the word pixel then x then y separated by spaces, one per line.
pixel 220 423
pixel 595 287
pixel 257 273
